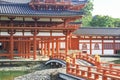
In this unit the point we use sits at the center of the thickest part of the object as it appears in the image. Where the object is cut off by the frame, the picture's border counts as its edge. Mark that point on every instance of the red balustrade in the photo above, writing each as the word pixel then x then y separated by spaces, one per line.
pixel 92 73
pixel 101 71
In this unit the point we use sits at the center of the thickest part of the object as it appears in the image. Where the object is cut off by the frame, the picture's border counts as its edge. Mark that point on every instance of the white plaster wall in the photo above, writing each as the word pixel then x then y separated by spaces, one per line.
pixel 117 40
pixel 57 34
pixel 108 52
pixel 99 52
pixel 43 34
pixel 96 40
pixel 4 33
pixel 28 34
pixel 107 40
pixel 18 34
pixel 84 40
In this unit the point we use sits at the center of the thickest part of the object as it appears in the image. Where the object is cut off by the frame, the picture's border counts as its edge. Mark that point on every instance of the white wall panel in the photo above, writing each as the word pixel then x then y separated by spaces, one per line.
pixel 108 52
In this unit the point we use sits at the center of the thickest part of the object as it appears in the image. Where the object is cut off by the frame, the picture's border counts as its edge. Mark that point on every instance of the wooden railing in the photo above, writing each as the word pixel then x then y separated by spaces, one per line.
pixel 92 73
pixel 101 71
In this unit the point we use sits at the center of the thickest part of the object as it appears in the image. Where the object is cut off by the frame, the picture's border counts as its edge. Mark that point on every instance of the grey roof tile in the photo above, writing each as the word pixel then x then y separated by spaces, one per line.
pixel 74 2
pixel 24 9
pixel 98 31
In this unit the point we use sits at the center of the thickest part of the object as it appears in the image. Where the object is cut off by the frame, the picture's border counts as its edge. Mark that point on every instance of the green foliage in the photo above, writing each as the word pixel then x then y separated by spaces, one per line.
pixel 117 22
pixel 102 21
pixel 98 20
pixel 88 15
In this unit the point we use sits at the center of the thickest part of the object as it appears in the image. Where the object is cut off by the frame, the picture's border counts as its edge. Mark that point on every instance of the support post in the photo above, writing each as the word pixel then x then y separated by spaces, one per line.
pixel 34 43
pixel 52 47
pixel 66 44
pixel 11 46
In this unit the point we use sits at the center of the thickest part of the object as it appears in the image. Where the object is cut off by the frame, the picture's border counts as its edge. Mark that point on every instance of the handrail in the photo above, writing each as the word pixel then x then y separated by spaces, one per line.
pixel 91 73
pixel 103 71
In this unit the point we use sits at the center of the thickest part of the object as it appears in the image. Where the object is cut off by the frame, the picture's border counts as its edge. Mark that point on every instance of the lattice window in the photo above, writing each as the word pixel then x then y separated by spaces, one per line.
pixel 96 47
pixel 117 46
pixel 108 45
pixel 84 46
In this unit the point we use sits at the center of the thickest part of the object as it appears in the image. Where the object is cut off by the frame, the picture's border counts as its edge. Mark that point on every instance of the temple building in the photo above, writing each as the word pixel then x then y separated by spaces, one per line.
pixel 30 28
pixel 102 41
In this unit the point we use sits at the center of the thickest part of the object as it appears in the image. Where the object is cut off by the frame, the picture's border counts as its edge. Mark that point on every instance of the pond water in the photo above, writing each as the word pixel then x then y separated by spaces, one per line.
pixel 10 75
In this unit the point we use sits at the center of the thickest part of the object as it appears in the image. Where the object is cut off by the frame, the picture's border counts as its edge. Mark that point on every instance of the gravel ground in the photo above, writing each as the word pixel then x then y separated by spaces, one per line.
pixel 47 74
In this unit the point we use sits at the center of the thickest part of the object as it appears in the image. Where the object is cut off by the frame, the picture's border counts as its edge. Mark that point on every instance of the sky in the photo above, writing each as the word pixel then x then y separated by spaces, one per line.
pixel 107 7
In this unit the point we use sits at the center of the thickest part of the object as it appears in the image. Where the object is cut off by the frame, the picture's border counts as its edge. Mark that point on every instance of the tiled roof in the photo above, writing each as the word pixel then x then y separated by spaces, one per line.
pixel 16 1
pixel 24 9
pixel 74 2
pixel 98 31
pixel 77 2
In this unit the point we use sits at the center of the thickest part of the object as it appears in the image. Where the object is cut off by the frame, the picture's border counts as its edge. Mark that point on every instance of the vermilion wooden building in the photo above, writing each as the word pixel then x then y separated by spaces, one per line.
pixel 29 28
pixel 102 41
pixel 33 27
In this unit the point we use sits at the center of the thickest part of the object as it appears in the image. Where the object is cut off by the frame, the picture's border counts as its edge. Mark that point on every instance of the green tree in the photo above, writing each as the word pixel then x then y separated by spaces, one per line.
pixel 102 21
pixel 88 15
pixel 117 22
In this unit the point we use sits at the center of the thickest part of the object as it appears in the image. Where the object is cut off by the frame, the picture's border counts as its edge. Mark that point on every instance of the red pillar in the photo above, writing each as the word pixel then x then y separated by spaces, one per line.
pixel 48 48
pixel 29 48
pixel 52 47
pixel 70 41
pixel 91 45
pixel 102 45
pixel 19 48
pixel 114 44
pixel 35 45
pixel 11 46
pixel 66 44
pixel 45 48
pixel 57 46
pixel 42 48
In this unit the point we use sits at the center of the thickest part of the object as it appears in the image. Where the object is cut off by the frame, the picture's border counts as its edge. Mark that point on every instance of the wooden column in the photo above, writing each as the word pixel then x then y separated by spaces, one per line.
pixel 90 45
pixel 11 32
pixel 57 46
pixel 26 55
pixel 102 45
pixel 70 37
pixel 22 49
pixel 35 45
pixel 19 48
pixel 48 44
pixel 114 45
pixel 35 32
pixel 29 49
pixel 45 49
pixel 66 44
pixel 42 48
pixel 53 47
pixel 11 46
